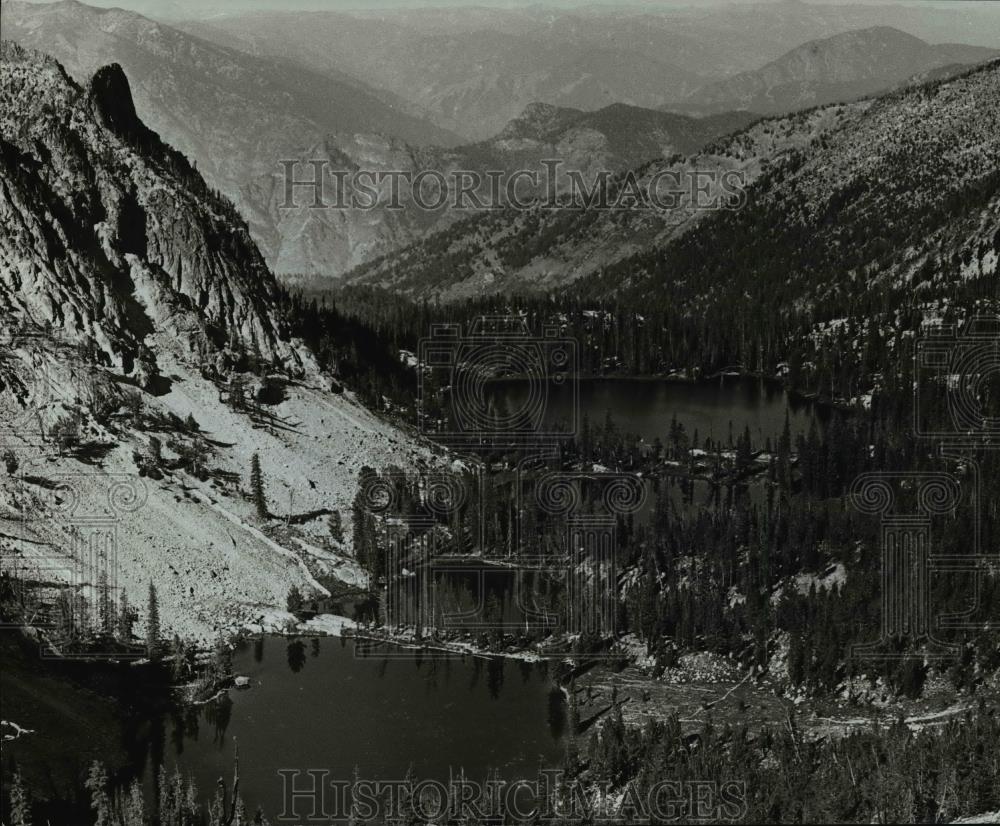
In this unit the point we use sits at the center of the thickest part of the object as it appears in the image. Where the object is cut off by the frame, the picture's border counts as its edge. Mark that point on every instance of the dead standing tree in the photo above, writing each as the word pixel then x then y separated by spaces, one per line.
pixel 231 815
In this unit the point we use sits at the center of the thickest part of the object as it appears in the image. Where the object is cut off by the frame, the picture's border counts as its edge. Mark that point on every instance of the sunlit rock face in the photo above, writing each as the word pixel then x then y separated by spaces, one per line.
pixel 107 235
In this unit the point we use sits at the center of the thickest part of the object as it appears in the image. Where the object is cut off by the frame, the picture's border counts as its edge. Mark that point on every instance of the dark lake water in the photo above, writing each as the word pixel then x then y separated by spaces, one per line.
pixel 646 407
pixel 326 703
pixel 314 703
pixel 719 409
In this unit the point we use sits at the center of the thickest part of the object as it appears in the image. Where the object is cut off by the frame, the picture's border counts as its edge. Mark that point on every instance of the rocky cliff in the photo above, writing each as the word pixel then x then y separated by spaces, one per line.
pixel 107 234
pixel 125 284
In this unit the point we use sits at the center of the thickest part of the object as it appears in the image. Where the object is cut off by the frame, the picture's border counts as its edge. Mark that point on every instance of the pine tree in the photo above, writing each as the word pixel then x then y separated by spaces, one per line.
pixel 97 785
pixel 152 624
pixel 574 710
pixel 744 451
pixel 294 601
pixel 10 461
pixel 68 618
pixel 126 620
pixel 796 659
pixel 336 525
pixel 66 432
pixel 132 806
pixel 257 487
pixel 105 607
pixel 237 392
pixel 363 523
pixel 785 456
pixel 133 403
pixel 20 803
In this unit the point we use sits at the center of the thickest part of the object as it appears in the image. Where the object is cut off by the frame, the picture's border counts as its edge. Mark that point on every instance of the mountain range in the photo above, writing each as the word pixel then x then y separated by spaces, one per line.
pixel 472 73
pixel 839 68
pixel 319 243
pixel 239 94
pixel 474 69
pixel 840 185
pixel 238 115
pixel 541 248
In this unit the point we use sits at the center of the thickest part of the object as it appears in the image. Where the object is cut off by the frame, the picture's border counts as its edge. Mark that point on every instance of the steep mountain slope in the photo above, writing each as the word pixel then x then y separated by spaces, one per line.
pixel 132 306
pixel 542 249
pixel 890 211
pixel 839 68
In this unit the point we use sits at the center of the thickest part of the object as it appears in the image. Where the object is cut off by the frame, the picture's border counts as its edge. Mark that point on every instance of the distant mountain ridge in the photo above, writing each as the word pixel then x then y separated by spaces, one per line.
pixel 605 253
pixel 324 243
pixel 475 69
pixel 839 68
pixel 473 80
pixel 629 135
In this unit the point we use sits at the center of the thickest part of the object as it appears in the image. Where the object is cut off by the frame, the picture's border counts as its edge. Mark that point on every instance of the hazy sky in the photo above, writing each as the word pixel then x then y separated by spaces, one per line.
pixel 197 8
